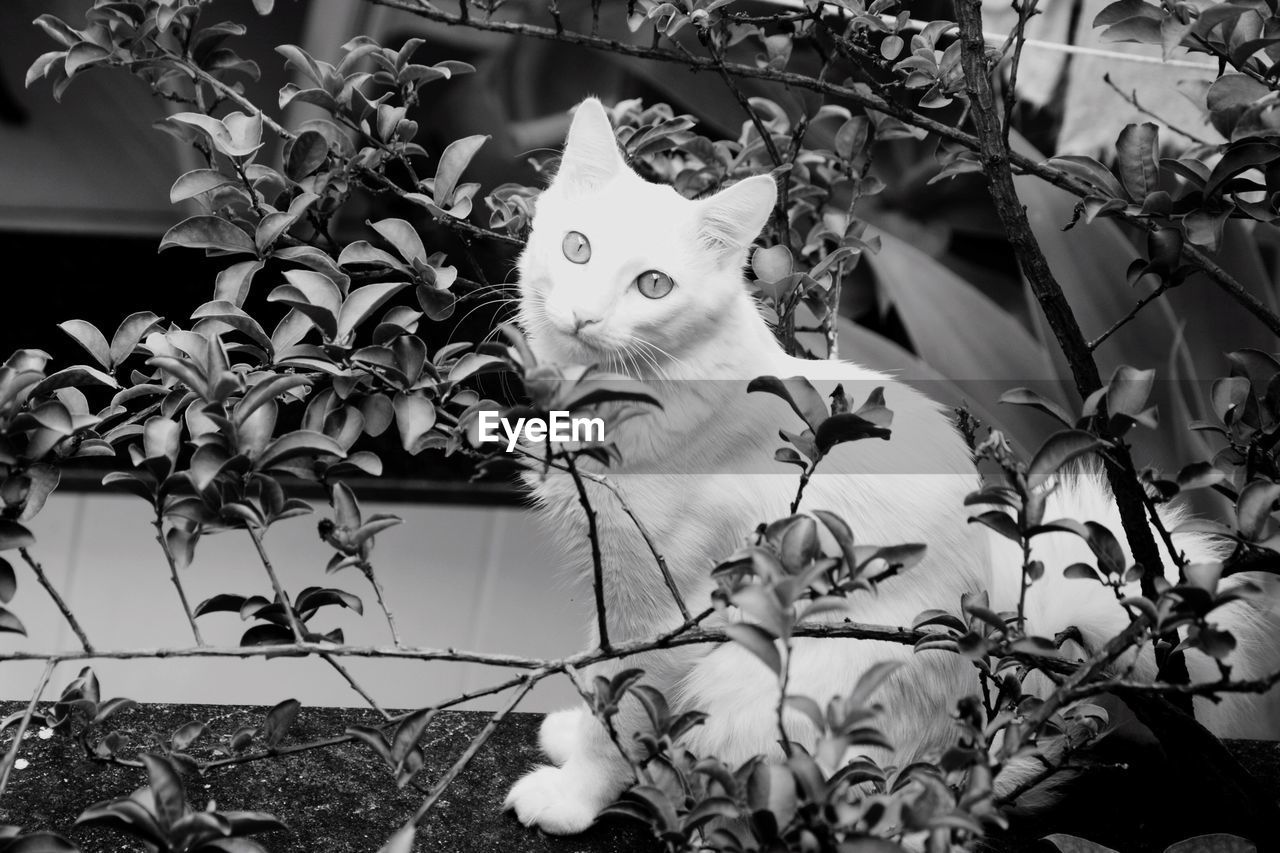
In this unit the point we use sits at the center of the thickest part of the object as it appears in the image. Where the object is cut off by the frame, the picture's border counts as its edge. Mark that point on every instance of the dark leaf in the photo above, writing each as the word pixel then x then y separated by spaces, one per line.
pixel 166 788
pixel 757 641
pixel 208 232
pixel 1138 151
pixel 279 719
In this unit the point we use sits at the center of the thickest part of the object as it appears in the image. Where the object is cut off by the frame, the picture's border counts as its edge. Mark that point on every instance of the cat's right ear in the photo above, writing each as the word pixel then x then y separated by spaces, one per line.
pixel 591 157
pixel 732 218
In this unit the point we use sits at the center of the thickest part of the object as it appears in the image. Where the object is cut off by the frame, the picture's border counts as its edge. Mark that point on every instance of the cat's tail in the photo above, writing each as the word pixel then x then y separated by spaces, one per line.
pixel 1056 603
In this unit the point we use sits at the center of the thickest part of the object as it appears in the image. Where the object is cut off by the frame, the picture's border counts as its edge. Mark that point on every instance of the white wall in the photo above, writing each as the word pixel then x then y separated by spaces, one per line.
pixel 471 577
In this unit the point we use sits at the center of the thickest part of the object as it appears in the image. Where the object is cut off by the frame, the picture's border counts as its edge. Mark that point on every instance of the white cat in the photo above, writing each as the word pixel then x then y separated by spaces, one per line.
pixel 622 272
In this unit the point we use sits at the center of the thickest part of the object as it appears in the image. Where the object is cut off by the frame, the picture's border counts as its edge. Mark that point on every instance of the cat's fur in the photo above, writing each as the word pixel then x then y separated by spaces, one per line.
pixel 701 475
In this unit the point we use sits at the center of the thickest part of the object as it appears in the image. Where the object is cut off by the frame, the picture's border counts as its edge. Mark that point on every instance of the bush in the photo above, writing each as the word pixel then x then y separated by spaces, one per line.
pixel 214 424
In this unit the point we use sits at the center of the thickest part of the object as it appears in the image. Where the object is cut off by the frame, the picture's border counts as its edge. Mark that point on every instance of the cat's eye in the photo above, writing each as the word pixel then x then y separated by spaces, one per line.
pixel 576 247
pixel 654 284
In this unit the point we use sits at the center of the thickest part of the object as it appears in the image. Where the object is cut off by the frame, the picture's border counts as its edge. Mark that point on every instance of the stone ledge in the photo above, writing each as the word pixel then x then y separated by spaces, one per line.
pixel 340 799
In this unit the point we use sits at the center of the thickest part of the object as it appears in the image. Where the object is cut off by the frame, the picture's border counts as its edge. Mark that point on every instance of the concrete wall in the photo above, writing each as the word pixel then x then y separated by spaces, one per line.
pixel 471 577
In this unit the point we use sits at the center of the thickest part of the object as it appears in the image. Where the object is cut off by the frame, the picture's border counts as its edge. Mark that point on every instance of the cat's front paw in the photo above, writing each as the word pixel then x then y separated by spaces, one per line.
pixel 559 800
pixel 560 734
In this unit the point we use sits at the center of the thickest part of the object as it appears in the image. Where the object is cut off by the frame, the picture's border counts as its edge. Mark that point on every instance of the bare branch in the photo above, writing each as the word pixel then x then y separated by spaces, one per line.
pixel 11 756
pixel 158 524
pixel 57 599
pixel 472 748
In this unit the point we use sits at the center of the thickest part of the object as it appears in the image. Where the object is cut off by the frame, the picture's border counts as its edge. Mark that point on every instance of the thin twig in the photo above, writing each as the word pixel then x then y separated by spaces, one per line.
pixel 1132 98
pixel 685 634
pixel 638 772
pixel 355 685
pixel 1026 9
pixel 367 569
pixel 12 756
pixel 1118 324
pixel 57 599
pixel 472 748
pixel 641 528
pixel 158 524
pixel 597 561
pixel 299 633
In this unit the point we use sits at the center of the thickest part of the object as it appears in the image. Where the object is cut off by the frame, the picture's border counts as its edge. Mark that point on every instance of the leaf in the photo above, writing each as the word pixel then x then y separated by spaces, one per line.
pixel 279 719
pixel 231 314
pixel 233 283
pixel 196 182
pixel 8 582
pixel 10 624
pixel 90 339
pixel 845 427
pixel 208 232
pixel 40 842
pixel 1199 475
pixel 14 535
pixel 126 815
pixel 251 823
pixel 166 789
pixel 1058 450
pixel 1091 172
pixel 186 735
pixel 1138 152
pixel 129 332
pixel 1000 522
pixel 453 161
pixel 709 809
pixel 771 788
pixel 1253 509
pixel 799 393
pixel 70 377
pixel 415 416
pixel 1239 158
pixel 265 391
pixel 1074 844
pixel 307 153
pixel 757 641
pixel 1218 842
pixel 362 302
pixel 299 443
pixel 410 732
pixel 1129 390
pixel 1027 397
pixel 401 235
pixel 842 533
pixel 83 54
pixel 1081 571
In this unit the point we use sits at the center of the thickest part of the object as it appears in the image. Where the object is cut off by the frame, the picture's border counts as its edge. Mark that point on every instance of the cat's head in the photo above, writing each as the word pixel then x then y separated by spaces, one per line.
pixel 622 272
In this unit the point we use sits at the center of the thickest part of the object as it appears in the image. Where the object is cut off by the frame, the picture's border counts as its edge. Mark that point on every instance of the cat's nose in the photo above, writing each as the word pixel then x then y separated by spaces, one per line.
pixel 580 321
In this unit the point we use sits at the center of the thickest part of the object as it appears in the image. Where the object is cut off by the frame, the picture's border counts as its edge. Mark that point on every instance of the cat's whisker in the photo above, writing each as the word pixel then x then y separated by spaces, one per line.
pixel 648 347
pixel 488 302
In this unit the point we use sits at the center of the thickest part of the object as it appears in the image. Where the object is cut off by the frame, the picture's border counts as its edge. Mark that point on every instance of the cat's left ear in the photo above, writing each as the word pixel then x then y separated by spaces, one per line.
pixel 591 157
pixel 732 218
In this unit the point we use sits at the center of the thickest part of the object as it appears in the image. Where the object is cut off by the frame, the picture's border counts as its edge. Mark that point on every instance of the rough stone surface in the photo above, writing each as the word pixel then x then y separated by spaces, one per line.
pixel 335 799
pixel 342 798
